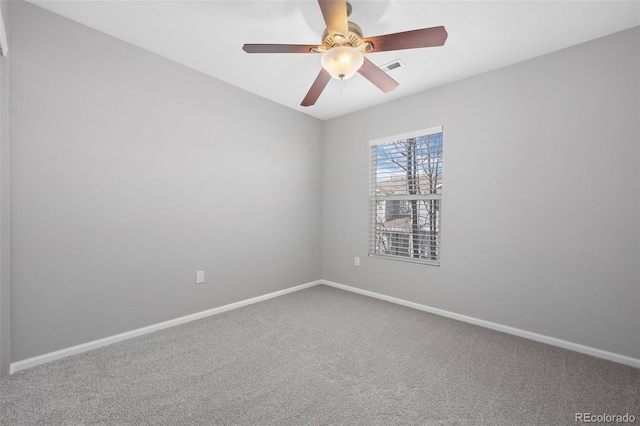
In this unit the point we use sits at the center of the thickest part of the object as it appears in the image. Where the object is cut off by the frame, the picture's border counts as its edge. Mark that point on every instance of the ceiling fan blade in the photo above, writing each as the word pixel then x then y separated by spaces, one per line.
pixel 334 13
pixel 316 88
pixel 425 37
pixel 379 78
pixel 278 48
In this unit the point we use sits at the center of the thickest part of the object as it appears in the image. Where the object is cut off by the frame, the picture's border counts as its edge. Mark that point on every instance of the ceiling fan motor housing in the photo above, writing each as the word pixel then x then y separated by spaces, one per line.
pixel 353 39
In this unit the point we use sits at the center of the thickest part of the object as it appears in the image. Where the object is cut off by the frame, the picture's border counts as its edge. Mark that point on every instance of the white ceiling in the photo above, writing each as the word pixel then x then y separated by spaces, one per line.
pixel 483 35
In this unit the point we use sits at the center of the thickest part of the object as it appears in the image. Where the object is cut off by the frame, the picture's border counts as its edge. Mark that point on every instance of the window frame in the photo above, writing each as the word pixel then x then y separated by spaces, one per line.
pixel 375 198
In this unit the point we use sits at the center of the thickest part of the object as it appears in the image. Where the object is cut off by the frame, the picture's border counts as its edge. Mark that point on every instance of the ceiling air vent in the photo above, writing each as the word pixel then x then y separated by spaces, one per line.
pixel 392 65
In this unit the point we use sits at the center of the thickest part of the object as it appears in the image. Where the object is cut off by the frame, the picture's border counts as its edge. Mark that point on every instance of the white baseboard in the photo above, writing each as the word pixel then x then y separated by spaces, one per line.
pixel 62 353
pixel 622 359
pixel 52 356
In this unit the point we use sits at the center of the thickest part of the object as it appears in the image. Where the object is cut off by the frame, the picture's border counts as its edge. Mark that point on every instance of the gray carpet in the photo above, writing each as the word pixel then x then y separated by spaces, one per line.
pixel 321 356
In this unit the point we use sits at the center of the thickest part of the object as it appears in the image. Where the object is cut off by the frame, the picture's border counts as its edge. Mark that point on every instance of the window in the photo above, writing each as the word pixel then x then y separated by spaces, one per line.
pixel 405 196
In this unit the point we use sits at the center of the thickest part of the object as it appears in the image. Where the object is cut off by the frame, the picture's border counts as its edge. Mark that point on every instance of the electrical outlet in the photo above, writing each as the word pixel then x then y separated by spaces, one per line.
pixel 199 277
pixel 357 261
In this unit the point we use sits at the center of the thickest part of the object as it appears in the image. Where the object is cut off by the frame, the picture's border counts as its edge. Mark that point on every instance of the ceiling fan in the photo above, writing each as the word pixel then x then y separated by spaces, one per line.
pixel 343 48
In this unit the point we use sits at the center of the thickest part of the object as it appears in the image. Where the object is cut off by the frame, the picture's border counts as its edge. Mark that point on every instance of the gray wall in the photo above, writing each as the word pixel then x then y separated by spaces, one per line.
pixel 5 325
pixel 129 173
pixel 541 196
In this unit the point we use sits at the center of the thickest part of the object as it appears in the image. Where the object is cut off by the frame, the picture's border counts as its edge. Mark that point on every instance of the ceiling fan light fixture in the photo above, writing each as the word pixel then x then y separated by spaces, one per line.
pixel 342 62
pixel 343 48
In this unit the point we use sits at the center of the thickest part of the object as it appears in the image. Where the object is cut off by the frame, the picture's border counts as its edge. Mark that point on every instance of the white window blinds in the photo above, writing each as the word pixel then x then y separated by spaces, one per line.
pixel 405 196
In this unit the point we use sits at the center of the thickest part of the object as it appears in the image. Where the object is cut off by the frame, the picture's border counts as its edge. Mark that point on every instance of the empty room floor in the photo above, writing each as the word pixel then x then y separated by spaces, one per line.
pixel 321 356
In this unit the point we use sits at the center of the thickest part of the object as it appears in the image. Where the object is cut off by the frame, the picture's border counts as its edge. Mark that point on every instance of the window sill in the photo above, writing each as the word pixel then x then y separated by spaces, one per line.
pixel 406 259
